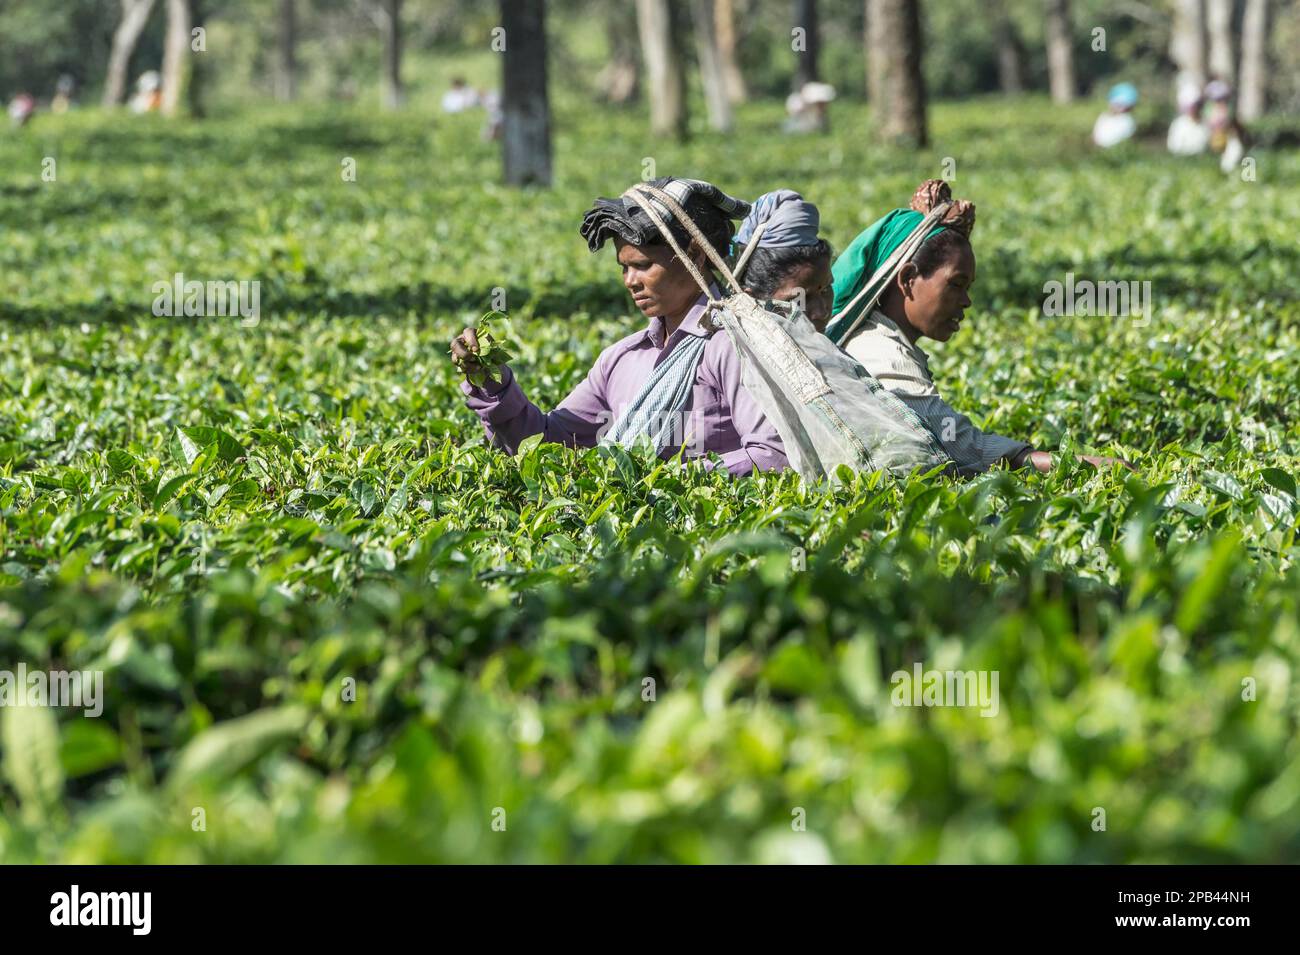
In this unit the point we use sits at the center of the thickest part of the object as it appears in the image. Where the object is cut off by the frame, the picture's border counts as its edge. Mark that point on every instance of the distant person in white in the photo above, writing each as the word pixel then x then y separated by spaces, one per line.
pixel 148 93
pixel 1116 125
pixel 1188 135
pixel 460 97
pixel 806 108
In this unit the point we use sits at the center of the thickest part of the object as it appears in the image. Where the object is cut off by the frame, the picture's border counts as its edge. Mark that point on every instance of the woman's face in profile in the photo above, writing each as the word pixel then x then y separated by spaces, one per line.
pixel 936 304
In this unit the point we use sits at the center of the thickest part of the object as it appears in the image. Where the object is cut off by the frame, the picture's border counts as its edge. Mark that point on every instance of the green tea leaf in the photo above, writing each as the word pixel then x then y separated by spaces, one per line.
pixel 194 439
pixel 225 749
pixel 30 739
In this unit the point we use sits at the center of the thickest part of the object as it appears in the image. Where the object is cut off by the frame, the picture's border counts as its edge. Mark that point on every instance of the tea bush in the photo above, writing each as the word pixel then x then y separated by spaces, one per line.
pixel 332 619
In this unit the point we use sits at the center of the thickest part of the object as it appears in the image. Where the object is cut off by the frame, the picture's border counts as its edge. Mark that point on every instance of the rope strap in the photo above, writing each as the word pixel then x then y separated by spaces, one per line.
pixel 749 249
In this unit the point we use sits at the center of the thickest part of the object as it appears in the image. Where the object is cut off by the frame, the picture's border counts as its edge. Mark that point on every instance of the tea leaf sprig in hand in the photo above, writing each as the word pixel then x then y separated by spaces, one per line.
pixel 494 349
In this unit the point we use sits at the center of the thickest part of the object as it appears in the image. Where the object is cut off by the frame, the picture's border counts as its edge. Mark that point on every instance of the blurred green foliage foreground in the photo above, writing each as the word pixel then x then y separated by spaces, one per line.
pixel 334 626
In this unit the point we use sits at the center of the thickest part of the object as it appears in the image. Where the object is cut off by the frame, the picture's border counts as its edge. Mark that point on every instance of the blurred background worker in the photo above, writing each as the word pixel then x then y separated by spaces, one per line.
pixel 148 93
pixel 806 108
pixel 1227 137
pixel 460 97
pixel 492 123
pixel 21 108
pixel 1116 125
pixel 1188 135
pixel 63 91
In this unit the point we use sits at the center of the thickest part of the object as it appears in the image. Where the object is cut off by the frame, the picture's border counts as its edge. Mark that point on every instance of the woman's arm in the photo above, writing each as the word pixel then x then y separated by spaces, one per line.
pixel 971 449
pixel 1042 460
pixel 509 417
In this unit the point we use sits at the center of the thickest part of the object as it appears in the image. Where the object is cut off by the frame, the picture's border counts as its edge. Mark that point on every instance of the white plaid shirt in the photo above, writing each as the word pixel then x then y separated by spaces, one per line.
pixel 904 369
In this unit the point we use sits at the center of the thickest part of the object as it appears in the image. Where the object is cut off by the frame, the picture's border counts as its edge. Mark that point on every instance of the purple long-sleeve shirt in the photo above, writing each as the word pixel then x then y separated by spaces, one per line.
pixel 720 415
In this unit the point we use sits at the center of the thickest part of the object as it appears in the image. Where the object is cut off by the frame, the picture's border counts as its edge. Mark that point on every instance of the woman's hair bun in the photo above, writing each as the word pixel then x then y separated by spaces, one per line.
pixel 960 216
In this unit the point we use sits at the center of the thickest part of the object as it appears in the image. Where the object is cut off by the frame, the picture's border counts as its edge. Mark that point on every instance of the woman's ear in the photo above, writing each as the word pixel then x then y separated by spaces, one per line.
pixel 906 275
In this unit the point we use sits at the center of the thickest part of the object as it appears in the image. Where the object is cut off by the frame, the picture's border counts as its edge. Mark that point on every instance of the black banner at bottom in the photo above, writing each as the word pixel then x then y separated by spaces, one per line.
pixel 338 903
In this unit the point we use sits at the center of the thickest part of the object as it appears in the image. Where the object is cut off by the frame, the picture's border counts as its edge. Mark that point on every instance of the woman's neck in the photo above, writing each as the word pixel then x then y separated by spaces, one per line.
pixel 892 306
pixel 674 322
